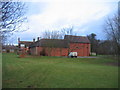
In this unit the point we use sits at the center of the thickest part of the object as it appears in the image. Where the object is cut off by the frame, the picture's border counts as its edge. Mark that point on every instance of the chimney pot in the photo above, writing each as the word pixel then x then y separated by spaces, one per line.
pixel 18 39
pixel 33 39
pixel 38 38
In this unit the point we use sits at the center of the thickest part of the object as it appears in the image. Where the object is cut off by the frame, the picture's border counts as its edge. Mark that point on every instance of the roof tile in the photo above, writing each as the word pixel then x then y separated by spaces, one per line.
pixel 76 39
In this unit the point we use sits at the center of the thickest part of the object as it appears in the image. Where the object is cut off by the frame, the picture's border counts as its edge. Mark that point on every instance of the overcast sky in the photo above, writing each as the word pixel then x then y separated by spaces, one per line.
pixel 86 16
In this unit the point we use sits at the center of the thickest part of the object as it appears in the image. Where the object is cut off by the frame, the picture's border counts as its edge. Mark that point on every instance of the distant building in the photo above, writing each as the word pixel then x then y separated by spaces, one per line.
pixel 24 45
pixel 58 47
pixel 9 48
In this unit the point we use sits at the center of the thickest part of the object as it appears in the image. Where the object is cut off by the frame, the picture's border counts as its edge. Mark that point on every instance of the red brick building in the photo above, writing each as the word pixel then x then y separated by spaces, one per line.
pixel 61 47
pixel 24 46
pixel 79 44
pixel 50 47
pixel 9 48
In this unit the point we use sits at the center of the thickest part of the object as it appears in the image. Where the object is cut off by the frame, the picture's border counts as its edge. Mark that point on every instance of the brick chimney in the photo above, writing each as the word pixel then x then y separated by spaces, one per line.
pixel 33 39
pixel 19 42
pixel 38 38
pixel 18 39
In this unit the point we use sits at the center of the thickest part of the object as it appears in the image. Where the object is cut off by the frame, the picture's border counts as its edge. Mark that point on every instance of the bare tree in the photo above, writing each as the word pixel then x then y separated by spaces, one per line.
pixel 51 35
pixel 105 47
pixel 67 31
pixel 59 34
pixel 12 17
pixel 112 30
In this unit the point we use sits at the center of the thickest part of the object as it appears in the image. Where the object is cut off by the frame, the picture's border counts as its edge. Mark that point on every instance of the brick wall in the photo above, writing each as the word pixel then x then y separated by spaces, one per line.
pixel 33 51
pixel 83 49
pixel 49 51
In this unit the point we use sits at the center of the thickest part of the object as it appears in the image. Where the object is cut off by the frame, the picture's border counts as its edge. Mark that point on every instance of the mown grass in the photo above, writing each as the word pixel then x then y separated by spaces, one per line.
pixel 58 72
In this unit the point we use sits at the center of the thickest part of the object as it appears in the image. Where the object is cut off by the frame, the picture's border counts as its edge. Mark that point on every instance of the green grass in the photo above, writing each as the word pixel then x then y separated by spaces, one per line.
pixel 58 72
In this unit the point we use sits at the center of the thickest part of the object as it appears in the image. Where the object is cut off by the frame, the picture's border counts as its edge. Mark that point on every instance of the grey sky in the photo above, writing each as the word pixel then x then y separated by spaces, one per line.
pixel 87 16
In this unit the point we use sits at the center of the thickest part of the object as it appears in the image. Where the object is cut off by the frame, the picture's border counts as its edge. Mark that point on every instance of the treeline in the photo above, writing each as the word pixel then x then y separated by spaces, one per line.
pixel 102 47
pixel 110 46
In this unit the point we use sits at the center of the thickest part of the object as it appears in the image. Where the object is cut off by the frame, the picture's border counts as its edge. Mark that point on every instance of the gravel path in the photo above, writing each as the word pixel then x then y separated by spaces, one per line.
pixel 88 57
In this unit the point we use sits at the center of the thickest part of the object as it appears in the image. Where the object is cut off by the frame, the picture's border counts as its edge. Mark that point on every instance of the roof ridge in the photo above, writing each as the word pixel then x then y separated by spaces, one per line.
pixel 54 39
pixel 75 36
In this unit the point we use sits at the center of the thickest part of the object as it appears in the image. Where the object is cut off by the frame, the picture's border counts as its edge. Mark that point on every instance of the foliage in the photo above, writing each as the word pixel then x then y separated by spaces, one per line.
pixel 43 53
pixel 112 30
pixel 105 47
pixel 12 18
pixel 94 42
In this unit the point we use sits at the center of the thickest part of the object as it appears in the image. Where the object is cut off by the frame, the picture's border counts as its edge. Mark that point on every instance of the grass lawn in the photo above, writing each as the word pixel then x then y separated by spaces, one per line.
pixel 58 72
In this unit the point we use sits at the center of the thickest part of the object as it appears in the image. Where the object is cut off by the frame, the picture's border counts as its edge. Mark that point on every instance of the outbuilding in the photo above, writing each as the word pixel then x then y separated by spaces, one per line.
pixel 60 47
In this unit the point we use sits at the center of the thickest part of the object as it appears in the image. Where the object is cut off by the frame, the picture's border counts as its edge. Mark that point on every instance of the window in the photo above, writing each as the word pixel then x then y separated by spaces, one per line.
pixel 3 50
pixel 22 45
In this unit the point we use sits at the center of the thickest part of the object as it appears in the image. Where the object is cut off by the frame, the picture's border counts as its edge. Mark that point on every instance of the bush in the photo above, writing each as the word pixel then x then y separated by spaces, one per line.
pixel 43 53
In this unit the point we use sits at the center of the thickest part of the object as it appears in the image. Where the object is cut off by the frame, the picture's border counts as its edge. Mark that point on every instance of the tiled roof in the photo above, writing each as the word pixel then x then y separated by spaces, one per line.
pixel 9 47
pixel 76 39
pixel 24 42
pixel 27 43
pixel 60 43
